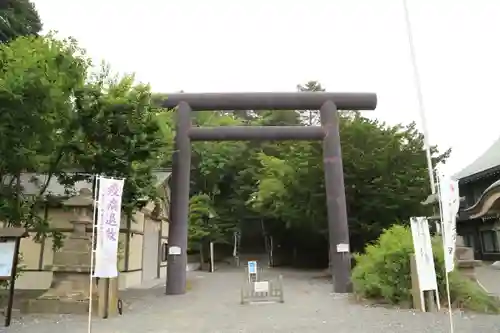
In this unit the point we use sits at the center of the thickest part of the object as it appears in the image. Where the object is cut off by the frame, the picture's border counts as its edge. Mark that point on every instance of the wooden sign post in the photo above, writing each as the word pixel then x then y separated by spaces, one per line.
pixel 10 239
pixel 424 280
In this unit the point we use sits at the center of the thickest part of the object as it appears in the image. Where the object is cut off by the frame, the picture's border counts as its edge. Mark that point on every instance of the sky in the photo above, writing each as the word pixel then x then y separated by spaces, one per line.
pixel 273 45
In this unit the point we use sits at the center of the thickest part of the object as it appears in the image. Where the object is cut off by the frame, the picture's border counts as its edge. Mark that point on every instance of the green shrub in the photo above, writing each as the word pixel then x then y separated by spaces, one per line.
pixel 382 273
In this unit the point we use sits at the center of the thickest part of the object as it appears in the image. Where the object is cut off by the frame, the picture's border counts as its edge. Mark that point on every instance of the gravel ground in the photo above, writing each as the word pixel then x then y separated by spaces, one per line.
pixel 213 306
pixel 488 276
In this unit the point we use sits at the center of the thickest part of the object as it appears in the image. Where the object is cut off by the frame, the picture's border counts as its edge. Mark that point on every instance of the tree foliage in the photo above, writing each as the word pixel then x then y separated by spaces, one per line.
pixel 117 135
pixel 310 117
pixel 39 77
pixel 18 18
pixel 55 118
pixel 201 227
pixel 385 177
pixel 214 168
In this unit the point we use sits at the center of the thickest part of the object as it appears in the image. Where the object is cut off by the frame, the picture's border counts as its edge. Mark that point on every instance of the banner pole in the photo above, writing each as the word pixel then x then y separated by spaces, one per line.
pixel 450 313
pixel 444 236
pixel 92 252
pixel 420 97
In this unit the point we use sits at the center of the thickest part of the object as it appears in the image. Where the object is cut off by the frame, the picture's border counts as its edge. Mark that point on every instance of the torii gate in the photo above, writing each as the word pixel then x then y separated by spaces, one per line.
pixel 327 103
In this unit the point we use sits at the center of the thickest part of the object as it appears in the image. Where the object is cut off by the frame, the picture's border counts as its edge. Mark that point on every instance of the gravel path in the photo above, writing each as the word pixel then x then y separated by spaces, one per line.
pixel 488 276
pixel 213 306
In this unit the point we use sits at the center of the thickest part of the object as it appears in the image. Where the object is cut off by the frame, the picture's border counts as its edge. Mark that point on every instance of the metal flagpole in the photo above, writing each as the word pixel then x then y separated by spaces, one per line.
pixel 446 275
pixel 93 248
pixel 423 121
pixel 420 98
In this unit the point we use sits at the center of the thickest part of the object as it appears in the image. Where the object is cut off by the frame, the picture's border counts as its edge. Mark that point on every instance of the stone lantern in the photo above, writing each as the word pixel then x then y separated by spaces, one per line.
pixel 69 292
pixel 75 253
pixel 81 206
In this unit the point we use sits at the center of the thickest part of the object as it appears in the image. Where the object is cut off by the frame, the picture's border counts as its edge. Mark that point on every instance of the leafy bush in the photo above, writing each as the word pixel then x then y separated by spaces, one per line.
pixel 383 273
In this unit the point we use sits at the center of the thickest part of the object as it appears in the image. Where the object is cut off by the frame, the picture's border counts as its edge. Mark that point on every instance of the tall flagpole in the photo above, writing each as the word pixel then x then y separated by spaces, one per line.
pixel 425 131
pixel 421 108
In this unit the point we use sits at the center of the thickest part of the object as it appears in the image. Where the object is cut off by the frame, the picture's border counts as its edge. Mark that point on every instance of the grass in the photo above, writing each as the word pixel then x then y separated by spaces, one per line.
pixel 189 285
pixel 468 295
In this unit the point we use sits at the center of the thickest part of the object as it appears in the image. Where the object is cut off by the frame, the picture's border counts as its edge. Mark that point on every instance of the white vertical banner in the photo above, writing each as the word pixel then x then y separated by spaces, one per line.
pixel 424 257
pixel 108 227
pixel 449 202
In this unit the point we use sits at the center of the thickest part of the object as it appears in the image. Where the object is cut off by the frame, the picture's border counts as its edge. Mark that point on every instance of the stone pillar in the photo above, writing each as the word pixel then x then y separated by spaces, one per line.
pixel 69 292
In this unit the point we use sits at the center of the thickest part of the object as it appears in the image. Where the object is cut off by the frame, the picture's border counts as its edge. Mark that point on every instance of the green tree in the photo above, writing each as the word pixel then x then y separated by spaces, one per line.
pixel 214 169
pixel 385 176
pixel 310 117
pixel 201 228
pixel 117 135
pixel 39 77
pixel 214 177
pixel 18 18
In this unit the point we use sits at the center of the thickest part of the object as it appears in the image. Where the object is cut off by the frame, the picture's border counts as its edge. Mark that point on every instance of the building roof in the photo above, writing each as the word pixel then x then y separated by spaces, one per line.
pixel 488 202
pixel 32 182
pixel 488 161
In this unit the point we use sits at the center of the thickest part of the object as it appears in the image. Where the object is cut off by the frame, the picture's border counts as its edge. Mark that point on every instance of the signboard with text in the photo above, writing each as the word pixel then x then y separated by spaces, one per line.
pixel 10 240
pixel 252 267
pixel 7 251
pixel 261 286
pixel 252 271
pixel 424 257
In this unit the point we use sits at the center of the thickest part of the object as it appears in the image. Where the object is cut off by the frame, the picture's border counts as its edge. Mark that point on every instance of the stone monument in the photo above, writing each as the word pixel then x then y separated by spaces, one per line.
pixel 464 257
pixel 69 292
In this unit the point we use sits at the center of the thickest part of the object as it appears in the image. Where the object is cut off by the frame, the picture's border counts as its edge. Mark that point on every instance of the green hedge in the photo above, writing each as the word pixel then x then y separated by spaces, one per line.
pixel 382 273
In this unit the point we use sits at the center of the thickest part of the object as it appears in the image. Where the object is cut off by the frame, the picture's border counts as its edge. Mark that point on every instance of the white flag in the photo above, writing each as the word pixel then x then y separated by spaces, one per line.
pixel 449 204
pixel 108 227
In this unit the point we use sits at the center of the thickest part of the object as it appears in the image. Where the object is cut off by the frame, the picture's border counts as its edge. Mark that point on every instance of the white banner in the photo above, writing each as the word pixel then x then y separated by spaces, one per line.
pixel 423 253
pixel 449 202
pixel 108 227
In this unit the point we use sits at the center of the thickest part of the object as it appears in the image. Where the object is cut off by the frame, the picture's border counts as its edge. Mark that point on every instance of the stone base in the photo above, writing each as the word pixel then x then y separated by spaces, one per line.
pixel 464 253
pixel 58 306
pixel 468 268
pixel 14 314
pixel 69 294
